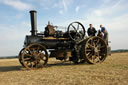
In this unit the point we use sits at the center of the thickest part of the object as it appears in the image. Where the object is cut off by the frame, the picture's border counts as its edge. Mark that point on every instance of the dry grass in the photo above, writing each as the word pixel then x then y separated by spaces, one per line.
pixel 113 71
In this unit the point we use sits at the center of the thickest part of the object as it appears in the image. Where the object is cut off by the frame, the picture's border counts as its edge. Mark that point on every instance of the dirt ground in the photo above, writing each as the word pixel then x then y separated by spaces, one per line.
pixel 113 71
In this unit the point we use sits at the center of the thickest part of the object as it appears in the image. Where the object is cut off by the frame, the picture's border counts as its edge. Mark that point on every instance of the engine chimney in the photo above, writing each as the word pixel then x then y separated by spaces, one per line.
pixel 33 22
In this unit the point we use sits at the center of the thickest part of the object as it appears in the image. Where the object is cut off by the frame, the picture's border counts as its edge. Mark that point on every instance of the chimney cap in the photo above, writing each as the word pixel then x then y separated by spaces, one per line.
pixel 32 11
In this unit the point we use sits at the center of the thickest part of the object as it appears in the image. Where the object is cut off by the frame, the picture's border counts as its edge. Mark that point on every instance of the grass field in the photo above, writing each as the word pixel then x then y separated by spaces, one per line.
pixel 113 71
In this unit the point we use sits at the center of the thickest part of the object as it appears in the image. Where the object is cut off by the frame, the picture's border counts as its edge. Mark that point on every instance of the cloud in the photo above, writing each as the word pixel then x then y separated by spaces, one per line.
pixel 107 1
pixel 61 12
pixel 120 23
pixel 26 24
pixel 13 32
pixel 65 5
pixel 111 7
pixel 62 5
pixel 104 12
pixel 77 9
pixel 98 13
pixel 17 4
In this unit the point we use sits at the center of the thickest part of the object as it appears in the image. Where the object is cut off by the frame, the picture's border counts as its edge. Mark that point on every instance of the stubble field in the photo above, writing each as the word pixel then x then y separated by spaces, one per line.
pixel 113 71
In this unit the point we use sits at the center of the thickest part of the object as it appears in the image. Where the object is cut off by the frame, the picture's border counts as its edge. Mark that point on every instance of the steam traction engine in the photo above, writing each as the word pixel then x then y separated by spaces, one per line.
pixel 71 45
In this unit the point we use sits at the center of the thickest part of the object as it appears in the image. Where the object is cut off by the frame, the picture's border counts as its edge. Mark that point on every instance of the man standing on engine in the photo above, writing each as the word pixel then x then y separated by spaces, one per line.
pixel 104 33
pixel 91 30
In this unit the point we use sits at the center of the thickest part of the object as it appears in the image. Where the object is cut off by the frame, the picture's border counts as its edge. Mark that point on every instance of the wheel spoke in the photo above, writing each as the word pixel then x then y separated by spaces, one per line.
pixel 98 59
pixel 94 44
pixel 28 55
pixel 91 45
pixel 93 58
pixel 32 65
pixel 97 42
pixel 41 63
pixel 42 57
pixel 36 64
pixel 38 54
pixel 102 47
pixel 88 50
pixel 74 28
pixel 89 55
pixel 38 48
pixel 26 59
pixel 77 27
pixel 27 62
pixel 29 51
pixel 34 51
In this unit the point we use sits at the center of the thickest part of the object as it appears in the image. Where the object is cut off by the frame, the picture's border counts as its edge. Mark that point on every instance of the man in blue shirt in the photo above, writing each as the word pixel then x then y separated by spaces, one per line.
pixel 104 33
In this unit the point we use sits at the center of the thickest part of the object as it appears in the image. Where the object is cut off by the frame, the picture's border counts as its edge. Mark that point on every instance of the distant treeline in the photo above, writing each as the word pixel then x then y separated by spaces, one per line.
pixel 119 50
pixel 8 57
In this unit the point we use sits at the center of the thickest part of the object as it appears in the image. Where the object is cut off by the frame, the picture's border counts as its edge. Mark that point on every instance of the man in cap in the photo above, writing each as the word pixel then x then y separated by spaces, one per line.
pixel 91 30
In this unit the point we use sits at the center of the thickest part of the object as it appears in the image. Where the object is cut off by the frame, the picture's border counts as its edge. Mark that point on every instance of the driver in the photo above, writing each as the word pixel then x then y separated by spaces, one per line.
pixel 91 30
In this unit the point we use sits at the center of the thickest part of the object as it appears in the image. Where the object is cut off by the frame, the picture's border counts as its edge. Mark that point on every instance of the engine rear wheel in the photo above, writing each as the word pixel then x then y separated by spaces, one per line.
pixel 34 56
pixel 94 50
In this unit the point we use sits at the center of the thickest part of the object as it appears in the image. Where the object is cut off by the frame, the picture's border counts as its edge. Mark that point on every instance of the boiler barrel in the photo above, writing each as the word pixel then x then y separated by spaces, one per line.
pixel 33 22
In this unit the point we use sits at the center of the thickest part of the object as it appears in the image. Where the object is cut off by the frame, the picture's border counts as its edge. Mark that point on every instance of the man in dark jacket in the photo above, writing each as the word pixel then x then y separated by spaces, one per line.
pixel 91 30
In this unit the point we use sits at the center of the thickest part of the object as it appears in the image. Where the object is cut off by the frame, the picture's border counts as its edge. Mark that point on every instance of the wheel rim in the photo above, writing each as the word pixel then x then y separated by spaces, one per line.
pixel 20 57
pixel 95 50
pixel 76 31
pixel 34 56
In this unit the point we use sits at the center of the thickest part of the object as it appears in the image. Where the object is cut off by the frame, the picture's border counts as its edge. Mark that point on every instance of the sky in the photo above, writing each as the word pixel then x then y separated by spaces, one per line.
pixel 15 19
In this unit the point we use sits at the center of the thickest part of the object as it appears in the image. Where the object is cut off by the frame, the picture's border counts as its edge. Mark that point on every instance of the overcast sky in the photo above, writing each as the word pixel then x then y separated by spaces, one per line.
pixel 15 19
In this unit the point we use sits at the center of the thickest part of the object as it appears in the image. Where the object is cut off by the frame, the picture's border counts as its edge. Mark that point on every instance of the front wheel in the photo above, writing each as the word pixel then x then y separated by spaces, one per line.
pixel 34 56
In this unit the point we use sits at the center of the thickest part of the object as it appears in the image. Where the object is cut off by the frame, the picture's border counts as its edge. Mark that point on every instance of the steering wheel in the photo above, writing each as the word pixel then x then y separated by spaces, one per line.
pixel 76 31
